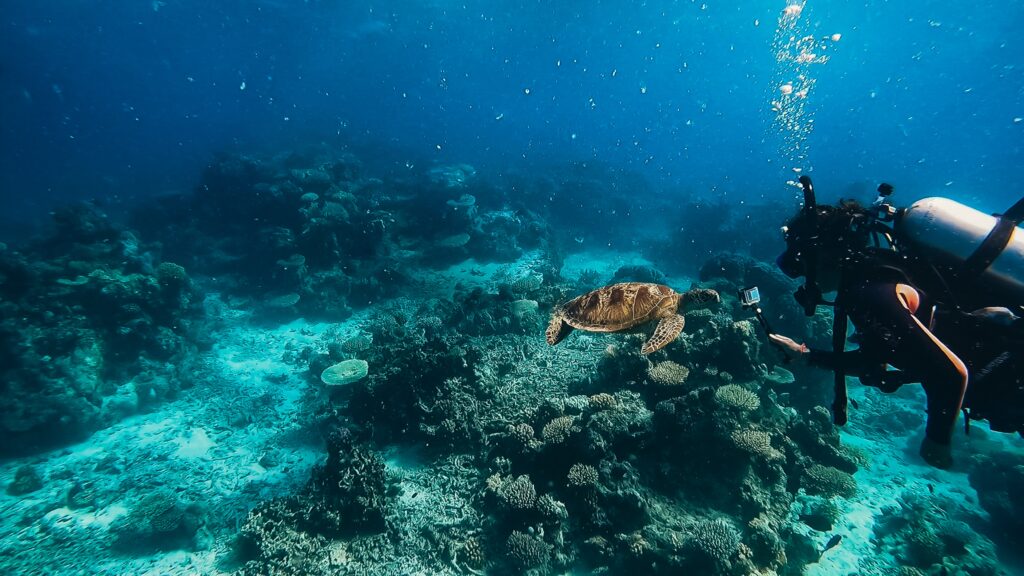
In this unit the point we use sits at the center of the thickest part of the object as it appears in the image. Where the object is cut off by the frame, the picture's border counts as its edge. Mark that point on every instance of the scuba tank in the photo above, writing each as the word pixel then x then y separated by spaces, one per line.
pixel 979 248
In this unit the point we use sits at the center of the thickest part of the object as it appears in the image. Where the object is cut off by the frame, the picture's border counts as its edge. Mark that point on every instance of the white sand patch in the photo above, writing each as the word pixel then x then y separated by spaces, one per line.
pixel 440 283
pixel 604 262
pixel 195 444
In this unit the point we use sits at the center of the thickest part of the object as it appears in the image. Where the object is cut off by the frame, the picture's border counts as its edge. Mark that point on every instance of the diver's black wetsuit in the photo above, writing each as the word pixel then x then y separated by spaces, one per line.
pixel 892 321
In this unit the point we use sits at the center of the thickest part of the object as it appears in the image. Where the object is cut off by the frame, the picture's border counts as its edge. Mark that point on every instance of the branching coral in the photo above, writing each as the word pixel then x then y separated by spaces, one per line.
pixel 472 553
pixel 602 401
pixel 582 476
pixel 522 435
pixel 551 509
pixel 717 540
pixel 518 494
pixel 756 442
pixel 737 397
pixel 828 481
pixel 668 373
pixel 559 430
pixel 526 551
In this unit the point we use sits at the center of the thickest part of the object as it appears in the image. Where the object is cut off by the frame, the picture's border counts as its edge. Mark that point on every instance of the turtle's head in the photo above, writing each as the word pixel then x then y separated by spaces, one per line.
pixel 700 298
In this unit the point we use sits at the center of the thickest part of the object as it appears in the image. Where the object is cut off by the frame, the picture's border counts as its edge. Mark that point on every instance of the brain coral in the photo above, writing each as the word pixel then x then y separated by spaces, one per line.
pixel 737 397
pixel 345 372
pixel 169 273
pixel 454 241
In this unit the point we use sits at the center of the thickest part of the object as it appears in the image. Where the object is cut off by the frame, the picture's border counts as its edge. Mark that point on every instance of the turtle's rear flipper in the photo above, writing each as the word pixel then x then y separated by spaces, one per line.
pixel 666 332
pixel 557 330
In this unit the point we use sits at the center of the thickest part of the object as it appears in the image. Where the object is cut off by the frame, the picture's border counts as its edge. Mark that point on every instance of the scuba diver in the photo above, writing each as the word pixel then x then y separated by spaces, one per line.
pixel 936 294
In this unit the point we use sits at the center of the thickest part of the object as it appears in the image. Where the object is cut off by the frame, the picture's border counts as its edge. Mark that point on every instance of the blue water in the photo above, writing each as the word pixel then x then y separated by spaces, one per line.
pixel 131 98
pixel 275 277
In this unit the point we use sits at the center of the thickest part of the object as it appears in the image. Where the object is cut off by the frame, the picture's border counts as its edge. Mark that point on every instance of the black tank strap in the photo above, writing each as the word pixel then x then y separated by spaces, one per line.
pixel 995 242
pixel 839 400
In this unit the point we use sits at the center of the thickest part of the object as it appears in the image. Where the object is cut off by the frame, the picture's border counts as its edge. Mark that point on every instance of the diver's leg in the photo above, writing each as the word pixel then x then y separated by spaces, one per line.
pixel 914 349
pixel 944 377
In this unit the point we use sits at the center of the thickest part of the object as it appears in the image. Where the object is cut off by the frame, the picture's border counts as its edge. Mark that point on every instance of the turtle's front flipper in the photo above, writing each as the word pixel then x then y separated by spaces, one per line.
pixel 667 330
pixel 557 330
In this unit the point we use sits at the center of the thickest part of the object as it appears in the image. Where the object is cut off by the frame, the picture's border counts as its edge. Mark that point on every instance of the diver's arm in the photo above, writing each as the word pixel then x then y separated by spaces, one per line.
pixel 853 362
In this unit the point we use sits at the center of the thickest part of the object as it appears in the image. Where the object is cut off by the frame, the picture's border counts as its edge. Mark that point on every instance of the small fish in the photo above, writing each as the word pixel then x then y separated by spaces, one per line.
pixel 931 488
pixel 854 404
pixel 832 543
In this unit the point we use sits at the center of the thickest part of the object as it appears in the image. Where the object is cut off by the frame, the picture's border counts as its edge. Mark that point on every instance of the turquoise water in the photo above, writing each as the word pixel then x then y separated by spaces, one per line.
pixel 275 278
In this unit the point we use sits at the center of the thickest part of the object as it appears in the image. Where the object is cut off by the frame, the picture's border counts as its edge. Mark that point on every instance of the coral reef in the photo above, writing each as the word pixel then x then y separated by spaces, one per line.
pixel 347 495
pixel 95 327
pixel 934 536
pixel 527 552
pixel 827 481
pixel 405 314
pixel 26 480
pixel 715 540
pixel 668 373
pixel 345 372
pixel 157 521
pixel 999 479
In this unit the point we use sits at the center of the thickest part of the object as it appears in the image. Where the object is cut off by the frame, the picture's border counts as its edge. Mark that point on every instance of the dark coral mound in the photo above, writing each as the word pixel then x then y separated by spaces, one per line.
pixel 999 480
pixel 937 535
pixel 345 497
pixel 157 522
pixel 425 386
pixel 314 234
pixel 94 327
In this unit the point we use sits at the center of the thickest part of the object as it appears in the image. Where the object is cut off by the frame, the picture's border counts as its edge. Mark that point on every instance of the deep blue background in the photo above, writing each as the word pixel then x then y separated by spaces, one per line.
pixel 119 100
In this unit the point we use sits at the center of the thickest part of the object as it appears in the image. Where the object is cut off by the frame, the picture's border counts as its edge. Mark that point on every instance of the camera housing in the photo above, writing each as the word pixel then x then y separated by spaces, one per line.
pixel 749 297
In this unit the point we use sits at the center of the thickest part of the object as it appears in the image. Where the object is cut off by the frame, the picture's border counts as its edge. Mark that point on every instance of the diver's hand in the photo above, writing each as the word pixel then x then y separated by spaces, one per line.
pixel 790 349
pixel 938 455
pixel 789 344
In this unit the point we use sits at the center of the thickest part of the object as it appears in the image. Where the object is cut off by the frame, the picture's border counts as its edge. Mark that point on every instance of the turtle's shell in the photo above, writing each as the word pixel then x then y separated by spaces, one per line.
pixel 618 307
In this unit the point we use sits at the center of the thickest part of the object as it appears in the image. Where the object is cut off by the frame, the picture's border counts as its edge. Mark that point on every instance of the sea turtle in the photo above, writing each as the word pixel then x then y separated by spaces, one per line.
pixel 623 306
